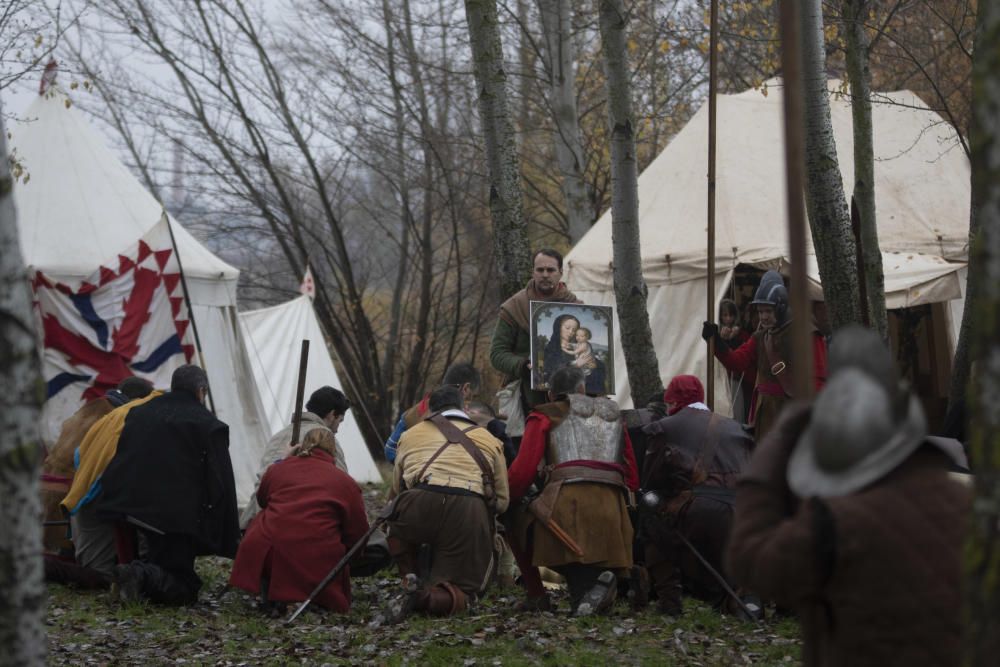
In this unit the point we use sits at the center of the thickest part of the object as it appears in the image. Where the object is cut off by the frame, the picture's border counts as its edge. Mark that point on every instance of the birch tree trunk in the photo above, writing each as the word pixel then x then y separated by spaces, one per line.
pixel 983 546
pixel 829 218
pixel 854 13
pixel 510 232
pixel 560 62
pixel 22 591
pixel 630 288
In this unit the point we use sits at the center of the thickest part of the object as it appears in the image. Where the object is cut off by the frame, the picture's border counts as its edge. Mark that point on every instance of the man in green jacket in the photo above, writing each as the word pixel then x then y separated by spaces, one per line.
pixel 511 346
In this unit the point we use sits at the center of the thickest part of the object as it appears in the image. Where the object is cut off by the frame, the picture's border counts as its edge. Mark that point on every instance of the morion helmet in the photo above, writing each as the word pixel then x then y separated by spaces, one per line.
pixel 772 292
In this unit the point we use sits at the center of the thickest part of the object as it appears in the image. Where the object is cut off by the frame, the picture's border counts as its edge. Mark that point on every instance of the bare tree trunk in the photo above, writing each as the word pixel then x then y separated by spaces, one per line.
pixel 983 545
pixel 854 13
pixel 630 288
pixel 958 407
pixel 510 233
pixel 403 268
pixel 22 591
pixel 829 218
pixel 560 62
pixel 414 377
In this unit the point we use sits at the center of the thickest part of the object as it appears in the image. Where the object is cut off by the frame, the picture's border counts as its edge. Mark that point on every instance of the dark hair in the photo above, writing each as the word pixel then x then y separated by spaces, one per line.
pixel 548 252
pixel 325 400
pixel 135 387
pixel 445 397
pixel 462 372
pixel 566 380
pixel 189 378
pixel 729 306
pixel 485 408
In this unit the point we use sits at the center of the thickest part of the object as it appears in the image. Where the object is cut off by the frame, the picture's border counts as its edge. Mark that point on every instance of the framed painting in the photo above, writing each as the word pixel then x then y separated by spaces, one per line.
pixel 573 334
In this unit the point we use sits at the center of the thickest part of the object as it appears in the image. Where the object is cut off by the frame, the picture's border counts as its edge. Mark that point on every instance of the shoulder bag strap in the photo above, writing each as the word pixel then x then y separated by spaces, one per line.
pixel 457 436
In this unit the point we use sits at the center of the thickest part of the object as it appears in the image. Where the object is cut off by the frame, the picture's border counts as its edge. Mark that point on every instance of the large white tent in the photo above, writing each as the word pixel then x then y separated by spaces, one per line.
pixel 274 336
pixel 922 201
pixel 78 209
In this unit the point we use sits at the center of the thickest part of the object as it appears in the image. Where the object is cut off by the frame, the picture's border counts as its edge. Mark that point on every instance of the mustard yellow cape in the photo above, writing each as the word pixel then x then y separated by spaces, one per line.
pixel 95 453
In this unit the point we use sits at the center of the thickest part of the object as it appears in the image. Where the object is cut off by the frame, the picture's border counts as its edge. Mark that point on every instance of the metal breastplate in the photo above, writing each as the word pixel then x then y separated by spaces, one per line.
pixel 591 432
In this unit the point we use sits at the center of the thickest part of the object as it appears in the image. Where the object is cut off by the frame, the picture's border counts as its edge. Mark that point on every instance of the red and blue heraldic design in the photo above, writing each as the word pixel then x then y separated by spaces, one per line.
pixel 128 318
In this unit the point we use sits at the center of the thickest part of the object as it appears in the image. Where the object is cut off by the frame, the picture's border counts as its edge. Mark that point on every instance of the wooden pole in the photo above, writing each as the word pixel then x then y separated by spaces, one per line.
pixel 713 66
pixel 300 392
pixel 187 302
pixel 791 66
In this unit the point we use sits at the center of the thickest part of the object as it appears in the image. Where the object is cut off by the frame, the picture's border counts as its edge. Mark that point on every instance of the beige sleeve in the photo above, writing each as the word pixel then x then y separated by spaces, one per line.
pixel 500 480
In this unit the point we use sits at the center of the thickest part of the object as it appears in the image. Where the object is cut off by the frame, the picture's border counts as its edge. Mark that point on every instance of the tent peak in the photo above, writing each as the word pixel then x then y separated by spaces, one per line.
pixel 48 76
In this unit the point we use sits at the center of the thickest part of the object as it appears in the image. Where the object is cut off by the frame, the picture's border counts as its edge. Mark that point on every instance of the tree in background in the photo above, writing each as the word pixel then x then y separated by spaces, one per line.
pixel 510 237
pixel 22 589
pixel 982 588
pixel 296 151
pixel 630 286
pixel 829 219
pixel 855 13
pixel 560 68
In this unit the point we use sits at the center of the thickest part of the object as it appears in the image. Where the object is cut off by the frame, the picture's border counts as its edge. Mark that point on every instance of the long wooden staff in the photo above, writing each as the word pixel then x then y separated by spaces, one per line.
pixel 300 392
pixel 791 65
pixel 712 79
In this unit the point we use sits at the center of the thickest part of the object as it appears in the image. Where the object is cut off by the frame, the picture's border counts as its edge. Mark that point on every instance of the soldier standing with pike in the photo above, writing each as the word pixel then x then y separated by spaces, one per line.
pixel 578 525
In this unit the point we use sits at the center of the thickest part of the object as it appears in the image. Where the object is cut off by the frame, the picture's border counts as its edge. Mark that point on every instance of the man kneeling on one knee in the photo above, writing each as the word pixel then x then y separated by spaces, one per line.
pixel 452 481
pixel 579 524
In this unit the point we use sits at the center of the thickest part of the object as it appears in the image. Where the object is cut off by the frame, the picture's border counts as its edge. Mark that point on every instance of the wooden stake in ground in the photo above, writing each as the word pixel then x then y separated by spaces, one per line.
pixel 300 392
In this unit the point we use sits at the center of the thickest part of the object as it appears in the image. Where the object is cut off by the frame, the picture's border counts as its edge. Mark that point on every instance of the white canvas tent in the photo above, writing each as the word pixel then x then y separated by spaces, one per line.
pixel 273 337
pixel 922 200
pixel 78 209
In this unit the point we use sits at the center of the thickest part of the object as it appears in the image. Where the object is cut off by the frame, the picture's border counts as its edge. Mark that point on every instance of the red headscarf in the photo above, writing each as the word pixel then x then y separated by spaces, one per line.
pixel 682 391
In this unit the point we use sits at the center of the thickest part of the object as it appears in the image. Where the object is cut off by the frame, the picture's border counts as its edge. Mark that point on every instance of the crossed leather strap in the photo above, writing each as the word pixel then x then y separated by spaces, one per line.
pixel 455 436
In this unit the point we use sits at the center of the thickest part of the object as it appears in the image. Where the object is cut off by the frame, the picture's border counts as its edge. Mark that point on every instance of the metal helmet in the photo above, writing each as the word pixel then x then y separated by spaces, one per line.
pixel 772 292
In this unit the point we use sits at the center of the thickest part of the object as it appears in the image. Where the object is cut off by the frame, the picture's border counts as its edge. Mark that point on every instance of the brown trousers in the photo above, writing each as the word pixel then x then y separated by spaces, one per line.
pixel 459 530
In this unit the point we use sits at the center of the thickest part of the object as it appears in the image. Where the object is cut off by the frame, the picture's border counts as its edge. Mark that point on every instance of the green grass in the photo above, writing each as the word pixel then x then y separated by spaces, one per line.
pixel 225 628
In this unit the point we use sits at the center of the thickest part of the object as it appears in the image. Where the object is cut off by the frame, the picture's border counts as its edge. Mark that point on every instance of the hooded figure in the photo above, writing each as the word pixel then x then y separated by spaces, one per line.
pixel 848 514
pixel 692 462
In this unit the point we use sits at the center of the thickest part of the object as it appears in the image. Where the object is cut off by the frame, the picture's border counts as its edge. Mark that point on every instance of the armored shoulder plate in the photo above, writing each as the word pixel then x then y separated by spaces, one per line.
pixel 591 432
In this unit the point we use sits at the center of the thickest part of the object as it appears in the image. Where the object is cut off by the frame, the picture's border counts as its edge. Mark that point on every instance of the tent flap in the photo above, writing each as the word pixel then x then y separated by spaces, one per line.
pixel 274 337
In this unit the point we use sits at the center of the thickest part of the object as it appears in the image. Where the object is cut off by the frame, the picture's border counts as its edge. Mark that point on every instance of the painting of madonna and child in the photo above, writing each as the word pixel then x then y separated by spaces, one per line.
pixel 570 334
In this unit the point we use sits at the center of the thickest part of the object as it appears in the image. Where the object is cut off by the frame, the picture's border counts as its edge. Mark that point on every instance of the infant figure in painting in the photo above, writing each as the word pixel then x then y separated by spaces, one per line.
pixel 583 351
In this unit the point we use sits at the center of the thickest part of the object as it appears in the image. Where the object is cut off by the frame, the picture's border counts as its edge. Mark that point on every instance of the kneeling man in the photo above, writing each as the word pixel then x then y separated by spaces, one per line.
pixel 452 481
pixel 579 524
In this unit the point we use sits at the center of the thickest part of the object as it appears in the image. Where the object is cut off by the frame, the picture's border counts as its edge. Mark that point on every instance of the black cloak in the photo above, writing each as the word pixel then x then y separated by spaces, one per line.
pixel 172 471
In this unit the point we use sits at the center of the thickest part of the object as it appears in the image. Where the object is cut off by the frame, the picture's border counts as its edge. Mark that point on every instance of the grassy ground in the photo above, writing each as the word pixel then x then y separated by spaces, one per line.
pixel 225 628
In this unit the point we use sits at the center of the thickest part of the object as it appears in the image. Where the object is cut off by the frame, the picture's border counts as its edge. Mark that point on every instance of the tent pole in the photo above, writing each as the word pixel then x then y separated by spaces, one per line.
pixel 791 67
pixel 713 64
pixel 187 302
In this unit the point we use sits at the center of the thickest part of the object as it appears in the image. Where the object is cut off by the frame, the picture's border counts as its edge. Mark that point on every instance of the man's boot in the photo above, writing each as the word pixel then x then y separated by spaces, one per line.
pixel 638 587
pixel 600 597
pixel 446 599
